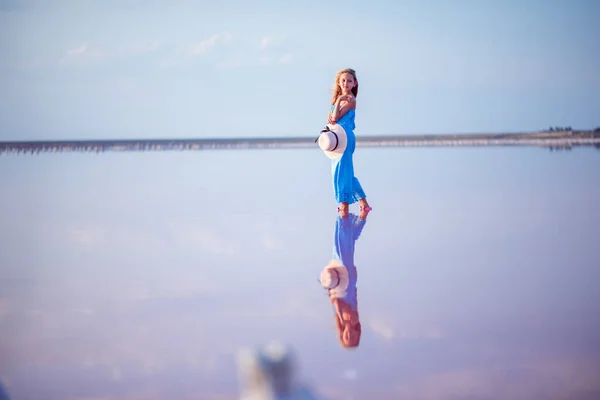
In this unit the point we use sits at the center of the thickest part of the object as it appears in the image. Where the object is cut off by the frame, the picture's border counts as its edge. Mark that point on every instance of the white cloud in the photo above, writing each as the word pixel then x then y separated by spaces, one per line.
pixel 184 53
pixel 205 45
pixel 78 51
pixel 381 329
pixel 270 41
pixel 387 330
pixel 81 54
pixel 266 55
pixel 85 53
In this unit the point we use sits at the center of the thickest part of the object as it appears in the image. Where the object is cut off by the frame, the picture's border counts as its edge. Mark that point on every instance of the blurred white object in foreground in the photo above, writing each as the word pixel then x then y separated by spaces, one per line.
pixel 269 374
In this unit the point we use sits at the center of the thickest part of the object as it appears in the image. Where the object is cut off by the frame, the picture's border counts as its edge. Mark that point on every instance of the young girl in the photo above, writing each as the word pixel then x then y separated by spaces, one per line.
pixel 346 186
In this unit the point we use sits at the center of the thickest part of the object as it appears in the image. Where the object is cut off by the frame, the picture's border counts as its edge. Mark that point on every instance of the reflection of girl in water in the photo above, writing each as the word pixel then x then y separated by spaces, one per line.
pixel 340 277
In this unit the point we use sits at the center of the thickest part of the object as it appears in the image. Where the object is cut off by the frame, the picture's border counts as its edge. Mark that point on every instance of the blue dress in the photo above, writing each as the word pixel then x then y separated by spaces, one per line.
pixel 346 233
pixel 346 186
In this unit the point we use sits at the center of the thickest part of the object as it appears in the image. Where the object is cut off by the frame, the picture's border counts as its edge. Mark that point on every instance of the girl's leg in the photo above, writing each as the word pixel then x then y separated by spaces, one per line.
pixel 343 209
pixel 364 204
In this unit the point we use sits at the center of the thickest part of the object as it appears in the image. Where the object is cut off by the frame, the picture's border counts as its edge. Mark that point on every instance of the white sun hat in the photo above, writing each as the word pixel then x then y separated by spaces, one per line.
pixel 335 276
pixel 333 140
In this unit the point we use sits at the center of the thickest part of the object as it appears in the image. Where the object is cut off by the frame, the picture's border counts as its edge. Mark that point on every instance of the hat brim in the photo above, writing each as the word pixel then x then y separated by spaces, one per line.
pixel 343 141
pixel 341 270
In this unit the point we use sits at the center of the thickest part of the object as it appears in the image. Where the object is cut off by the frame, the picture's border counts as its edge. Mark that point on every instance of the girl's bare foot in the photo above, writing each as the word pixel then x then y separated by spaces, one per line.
pixel 364 205
pixel 363 213
pixel 343 209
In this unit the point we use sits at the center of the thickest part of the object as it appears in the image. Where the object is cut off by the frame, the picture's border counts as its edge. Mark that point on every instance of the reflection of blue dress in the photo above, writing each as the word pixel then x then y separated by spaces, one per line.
pixel 347 231
pixel 345 185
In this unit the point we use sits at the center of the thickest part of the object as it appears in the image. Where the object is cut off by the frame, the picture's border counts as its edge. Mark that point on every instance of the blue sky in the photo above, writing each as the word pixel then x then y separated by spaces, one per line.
pixel 84 69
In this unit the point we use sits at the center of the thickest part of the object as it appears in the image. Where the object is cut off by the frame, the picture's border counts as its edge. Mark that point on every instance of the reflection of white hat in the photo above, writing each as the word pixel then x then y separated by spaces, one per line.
pixel 333 140
pixel 335 276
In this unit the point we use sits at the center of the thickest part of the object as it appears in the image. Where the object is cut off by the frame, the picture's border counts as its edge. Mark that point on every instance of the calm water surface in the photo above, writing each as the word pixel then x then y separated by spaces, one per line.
pixel 139 276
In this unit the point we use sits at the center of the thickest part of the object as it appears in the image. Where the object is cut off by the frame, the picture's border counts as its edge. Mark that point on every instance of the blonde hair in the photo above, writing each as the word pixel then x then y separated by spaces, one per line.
pixel 336 87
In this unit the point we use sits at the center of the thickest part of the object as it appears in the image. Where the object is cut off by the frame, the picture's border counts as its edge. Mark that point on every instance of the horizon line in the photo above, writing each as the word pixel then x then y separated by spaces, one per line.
pixel 420 136
pixel 551 140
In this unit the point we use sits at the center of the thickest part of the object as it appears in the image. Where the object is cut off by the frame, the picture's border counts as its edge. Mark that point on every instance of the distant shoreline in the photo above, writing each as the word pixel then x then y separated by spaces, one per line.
pixel 553 139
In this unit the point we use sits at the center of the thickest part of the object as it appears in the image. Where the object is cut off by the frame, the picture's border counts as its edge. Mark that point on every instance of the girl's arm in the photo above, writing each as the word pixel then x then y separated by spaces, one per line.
pixel 339 112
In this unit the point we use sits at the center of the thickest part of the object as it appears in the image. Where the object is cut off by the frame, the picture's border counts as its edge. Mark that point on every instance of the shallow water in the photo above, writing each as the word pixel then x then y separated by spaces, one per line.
pixel 128 275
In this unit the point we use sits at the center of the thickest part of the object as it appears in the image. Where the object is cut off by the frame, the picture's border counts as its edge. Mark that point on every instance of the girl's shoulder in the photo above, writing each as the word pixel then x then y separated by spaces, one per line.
pixel 352 100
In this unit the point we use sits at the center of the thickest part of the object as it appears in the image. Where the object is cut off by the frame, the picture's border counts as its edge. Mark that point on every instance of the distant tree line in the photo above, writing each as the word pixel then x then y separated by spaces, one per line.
pixel 558 148
pixel 568 128
pixel 560 128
